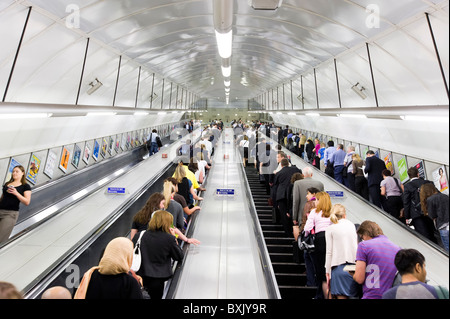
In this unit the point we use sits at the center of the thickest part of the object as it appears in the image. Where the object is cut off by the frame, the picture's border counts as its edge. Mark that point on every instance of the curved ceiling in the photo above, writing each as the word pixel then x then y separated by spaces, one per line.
pixel 176 39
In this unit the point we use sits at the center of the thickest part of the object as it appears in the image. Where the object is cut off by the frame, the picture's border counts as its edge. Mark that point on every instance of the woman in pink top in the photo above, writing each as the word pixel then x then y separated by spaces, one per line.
pixel 319 220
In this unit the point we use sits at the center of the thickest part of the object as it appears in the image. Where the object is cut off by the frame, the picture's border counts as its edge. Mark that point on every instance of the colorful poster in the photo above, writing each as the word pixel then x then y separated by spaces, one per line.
pixel 64 162
pixel 421 169
pixel 12 164
pixel 76 156
pixel 389 164
pixel 87 154
pixel 123 143
pixel 49 168
pixel 33 169
pixel 104 147
pixel 440 180
pixel 403 170
pixel 96 150
pixel 117 146
pixel 111 145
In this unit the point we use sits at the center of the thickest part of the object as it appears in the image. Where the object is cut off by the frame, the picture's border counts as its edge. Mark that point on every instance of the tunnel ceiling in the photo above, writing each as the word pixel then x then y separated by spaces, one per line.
pixel 176 39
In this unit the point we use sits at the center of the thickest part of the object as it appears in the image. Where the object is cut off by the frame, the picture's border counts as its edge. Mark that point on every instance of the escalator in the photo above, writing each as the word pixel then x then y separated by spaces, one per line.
pixel 290 275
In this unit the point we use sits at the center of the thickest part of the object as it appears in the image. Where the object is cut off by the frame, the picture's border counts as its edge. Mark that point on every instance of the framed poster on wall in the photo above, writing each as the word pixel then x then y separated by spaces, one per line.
pixel 33 169
pixel 389 164
pixel 420 166
pixel 104 147
pixel 440 179
pixel 49 168
pixel 96 150
pixel 403 170
pixel 64 162
pixel 111 145
pixel 76 156
pixel 87 154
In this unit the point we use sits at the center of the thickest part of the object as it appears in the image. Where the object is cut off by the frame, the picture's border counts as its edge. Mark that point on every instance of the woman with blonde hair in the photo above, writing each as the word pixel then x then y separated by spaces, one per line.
pixel 111 278
pixel 185 186
pixel 319 220
pixel 158 248
pixel 341 244
pixel 15 192
pixel 361 184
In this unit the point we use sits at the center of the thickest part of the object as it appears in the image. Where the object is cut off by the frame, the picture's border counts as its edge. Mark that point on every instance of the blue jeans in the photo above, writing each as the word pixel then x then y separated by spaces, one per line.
pixel 153 148
pixel 338 173
pixel 444 237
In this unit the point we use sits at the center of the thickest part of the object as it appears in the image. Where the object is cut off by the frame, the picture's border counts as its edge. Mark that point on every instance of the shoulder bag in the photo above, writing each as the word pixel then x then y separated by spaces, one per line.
pixel 137 257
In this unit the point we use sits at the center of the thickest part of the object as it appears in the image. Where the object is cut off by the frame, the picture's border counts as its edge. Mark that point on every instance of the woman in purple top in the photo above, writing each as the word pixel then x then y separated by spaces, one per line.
pixel 375 268
pixel 318 220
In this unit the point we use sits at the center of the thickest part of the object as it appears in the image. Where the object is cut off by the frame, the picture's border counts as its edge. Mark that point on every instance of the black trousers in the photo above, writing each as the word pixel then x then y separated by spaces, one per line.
pixel 285 220
pixel 154 286
pixel 375 195
pixel 424 225
pixel 361 187
pixel 393 205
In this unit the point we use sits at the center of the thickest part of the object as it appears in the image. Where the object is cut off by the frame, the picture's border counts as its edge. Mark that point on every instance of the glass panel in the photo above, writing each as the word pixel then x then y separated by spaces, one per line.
pixel 309 91
pixel 326 86
pixel 127 85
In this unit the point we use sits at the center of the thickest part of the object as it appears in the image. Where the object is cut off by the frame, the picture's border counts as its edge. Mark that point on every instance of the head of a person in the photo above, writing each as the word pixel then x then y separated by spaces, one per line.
pixel 9 291
pixel 330 143
pixel 413 172
pixel 280 156
pixel 284 162
pixel 307 172
pixel 350 148
pixel 426 190
pixel 411 261
pixel 337 213
pixel 370 153
pixel 311 193
pixel 168 190
pixel 155 202
pixel 369 229
pixel 18 174
pixel 356 157
pixel 296 177
pixel 154 131
pixel 323 204
pixel 340 146
pixel 57 292
pixel 161 221
pixel 117 257
pixel 180 172
pixel 386 173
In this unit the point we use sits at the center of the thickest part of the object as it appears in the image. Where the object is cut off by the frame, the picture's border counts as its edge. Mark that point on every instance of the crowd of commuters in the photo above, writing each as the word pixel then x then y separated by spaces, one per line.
pixel 348 260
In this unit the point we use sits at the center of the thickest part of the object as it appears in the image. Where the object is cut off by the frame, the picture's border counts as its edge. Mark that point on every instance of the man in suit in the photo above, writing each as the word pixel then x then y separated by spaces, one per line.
pixel 412 207
pixel 374 168
pixel 280 187
pixel 299 197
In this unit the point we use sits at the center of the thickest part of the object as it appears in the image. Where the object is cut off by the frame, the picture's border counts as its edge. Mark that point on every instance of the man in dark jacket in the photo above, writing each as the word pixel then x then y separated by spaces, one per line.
pixel 374 168
pixel 412 208
pixel 279 192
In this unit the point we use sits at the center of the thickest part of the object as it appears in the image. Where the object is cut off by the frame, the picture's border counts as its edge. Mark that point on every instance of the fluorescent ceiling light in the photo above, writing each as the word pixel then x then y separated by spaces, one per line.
pixel 225 44
pixel 226 71
pixel 227 83
pixel 441 119
pixel 359 116
pixel 101 113
pixel 25 115
pixel 162 113
pixel 291 113
pixel 312 114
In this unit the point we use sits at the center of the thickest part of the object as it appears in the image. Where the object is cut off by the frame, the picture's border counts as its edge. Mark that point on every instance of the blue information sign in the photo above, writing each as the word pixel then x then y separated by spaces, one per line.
pixel 336 194
pixel 116 190
pixel 225 191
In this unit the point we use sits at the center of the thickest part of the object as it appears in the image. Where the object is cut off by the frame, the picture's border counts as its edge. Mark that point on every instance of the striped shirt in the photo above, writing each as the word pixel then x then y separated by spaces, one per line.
pixel 378 253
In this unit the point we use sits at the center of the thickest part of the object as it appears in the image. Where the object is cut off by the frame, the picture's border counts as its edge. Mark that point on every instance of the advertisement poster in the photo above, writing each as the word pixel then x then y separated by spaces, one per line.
pixel 12 164
pixel 96 150
pixel 111 145
pixel 403 170
pixel 76 156
pixel 389 164
pixel 104 147
pixel 64 162
pixel 440 180
pixel 49 168
pixel 123 144
pixel 117 146
pixel 421 169
pixel 87 154
pixel 33 169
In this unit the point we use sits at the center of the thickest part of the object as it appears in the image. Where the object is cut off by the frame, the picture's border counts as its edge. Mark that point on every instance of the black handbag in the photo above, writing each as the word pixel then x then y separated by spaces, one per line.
pixel 306 242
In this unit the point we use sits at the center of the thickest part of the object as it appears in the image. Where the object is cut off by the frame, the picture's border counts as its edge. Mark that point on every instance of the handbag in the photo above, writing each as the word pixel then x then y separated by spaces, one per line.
pixel 137 257
pixel 306 242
